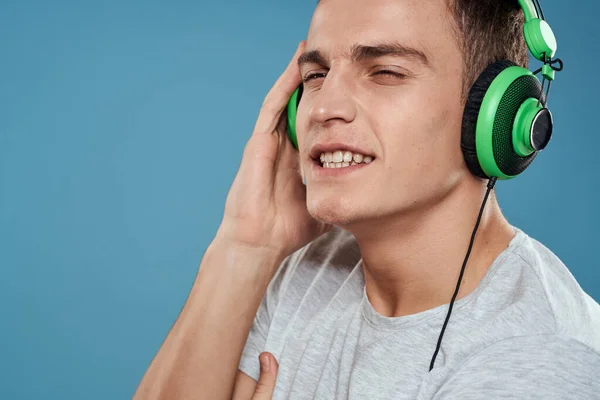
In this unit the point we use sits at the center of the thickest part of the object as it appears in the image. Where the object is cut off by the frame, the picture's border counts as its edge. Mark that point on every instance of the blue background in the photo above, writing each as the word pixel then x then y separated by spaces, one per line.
pixel 122 125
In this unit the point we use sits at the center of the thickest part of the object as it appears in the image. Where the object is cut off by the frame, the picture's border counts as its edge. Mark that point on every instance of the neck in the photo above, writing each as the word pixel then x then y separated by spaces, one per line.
pixel 411 262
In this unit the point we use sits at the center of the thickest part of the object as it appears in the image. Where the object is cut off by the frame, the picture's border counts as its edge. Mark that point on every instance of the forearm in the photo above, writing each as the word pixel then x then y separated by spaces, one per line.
pixel 200 356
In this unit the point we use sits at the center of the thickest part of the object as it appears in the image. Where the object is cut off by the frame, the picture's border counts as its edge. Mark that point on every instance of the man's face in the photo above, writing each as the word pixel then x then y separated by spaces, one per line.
pixel 401 109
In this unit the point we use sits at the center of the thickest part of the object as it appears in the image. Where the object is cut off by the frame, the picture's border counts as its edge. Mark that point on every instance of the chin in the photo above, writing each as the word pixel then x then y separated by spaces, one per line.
pixel 330 209
pixel 352 212
pixel 338 210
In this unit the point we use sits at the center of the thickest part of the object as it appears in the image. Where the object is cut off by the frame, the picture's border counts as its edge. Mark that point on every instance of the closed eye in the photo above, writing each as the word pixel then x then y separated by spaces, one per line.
pixel 313 76
pixel 316 75
pixel 387 72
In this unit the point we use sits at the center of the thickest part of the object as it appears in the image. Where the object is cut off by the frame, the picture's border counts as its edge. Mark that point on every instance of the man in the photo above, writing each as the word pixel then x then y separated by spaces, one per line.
pixel 342 285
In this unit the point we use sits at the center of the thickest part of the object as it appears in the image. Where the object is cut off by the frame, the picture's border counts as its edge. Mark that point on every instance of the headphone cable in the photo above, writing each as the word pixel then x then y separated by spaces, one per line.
pixel 490 186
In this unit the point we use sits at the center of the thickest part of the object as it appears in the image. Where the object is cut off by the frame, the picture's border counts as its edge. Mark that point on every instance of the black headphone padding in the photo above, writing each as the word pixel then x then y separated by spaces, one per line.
pixel 471 112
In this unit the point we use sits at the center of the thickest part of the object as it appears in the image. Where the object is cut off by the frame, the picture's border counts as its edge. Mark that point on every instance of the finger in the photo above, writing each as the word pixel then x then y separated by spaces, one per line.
pixel 268 376
pixel 288 81
pixel 279 95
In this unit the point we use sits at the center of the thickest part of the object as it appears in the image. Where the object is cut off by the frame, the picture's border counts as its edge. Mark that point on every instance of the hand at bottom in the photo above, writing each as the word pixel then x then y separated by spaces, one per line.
pixel 268 376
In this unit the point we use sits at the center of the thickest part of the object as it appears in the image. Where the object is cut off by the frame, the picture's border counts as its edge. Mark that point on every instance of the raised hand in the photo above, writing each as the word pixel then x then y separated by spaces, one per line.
pixel 266 205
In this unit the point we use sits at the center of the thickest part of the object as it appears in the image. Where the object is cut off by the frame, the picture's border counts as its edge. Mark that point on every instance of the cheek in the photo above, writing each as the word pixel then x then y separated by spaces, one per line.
pixel 420 128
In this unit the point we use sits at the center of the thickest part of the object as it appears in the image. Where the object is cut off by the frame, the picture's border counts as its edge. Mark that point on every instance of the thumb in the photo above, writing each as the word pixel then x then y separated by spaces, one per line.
pixel 268 375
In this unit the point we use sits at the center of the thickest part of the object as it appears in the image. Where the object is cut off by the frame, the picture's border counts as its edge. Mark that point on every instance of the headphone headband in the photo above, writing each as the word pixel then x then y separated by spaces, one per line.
pixel 529 10
pixel 538 34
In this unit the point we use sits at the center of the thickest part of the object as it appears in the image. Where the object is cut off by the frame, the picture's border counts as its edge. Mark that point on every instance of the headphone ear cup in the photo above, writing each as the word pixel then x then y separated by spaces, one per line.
pixel 292 110
pixel 471 113
pixel 489 120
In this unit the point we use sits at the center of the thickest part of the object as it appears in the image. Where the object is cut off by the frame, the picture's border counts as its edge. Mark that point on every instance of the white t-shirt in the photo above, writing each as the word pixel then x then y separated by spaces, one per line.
pixel 527 331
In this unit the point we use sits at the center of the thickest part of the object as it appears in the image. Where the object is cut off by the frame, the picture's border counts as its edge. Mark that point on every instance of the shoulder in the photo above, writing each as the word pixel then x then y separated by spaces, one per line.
pixel 576 315
pixel 537 366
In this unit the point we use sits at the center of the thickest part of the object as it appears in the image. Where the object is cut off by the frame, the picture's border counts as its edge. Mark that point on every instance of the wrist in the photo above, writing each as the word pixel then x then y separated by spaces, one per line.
pixel 248 240
pixel 248 259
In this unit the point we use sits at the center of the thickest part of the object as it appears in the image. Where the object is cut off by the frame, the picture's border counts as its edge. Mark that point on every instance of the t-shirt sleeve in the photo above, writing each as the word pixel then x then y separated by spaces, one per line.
pixel 257 337
pixel 528 367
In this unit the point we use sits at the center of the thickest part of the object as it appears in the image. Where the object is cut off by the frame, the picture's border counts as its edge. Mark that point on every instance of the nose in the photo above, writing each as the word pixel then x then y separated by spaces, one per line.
pixel 334 100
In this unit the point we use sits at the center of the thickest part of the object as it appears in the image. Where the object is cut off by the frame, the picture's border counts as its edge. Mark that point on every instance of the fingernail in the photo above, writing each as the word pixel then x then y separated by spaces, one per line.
pixel 264 363
pixel 304 180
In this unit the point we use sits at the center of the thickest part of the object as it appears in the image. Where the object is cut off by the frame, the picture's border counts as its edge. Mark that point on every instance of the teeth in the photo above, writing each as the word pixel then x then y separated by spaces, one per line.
pixel 340 159
pixel 338 156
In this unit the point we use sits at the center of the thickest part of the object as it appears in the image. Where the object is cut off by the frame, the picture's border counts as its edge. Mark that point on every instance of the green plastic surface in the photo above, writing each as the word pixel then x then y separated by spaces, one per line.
pixel 540 39
pixel 528 9
pixel 521 134
pixel 548 72
pixel 291 117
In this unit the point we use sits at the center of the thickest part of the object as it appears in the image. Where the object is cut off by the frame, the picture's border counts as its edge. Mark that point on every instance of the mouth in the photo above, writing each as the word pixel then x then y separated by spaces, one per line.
pixel 341 159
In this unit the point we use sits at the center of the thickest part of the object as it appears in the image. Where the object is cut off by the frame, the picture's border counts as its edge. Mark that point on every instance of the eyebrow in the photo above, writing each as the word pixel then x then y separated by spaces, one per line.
pixel 368 52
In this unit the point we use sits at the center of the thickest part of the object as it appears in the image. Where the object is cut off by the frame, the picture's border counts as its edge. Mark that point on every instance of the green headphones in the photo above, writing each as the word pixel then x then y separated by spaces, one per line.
pixel 505 121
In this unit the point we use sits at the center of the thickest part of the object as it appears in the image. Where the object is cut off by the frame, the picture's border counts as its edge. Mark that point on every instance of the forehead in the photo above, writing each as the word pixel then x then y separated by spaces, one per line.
pixel 339 24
